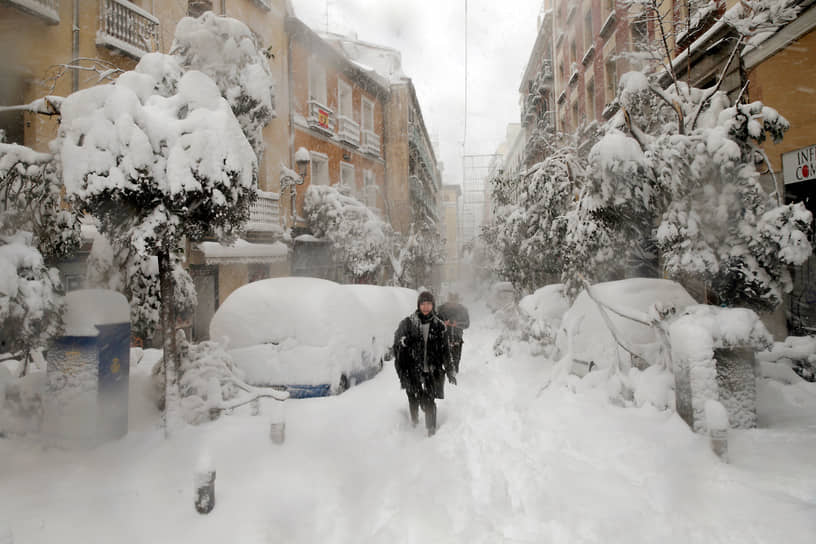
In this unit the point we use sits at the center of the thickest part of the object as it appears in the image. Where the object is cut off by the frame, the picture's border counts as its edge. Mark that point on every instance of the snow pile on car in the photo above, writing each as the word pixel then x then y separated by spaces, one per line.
pixel 309 331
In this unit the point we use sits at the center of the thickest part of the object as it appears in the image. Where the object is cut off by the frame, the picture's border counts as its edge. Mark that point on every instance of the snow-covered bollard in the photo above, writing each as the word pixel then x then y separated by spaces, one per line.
pixel 277 425
pixel 713 359
pixel 717 424
pixel 204 482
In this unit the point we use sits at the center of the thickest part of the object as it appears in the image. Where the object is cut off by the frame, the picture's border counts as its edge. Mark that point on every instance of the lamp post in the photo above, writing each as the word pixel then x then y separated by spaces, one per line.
pixel 289 179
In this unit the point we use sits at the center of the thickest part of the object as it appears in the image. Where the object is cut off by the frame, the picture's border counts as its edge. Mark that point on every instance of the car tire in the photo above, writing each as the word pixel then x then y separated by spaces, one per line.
pixel 343 385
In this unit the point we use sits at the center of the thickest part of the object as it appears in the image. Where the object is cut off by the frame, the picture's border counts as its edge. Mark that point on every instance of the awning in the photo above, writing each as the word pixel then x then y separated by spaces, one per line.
pixel 242 251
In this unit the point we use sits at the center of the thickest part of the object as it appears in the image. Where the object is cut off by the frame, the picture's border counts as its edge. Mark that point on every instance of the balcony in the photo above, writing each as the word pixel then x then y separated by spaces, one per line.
pixel 264 216
pixel 128 28
pixel 321 118
pixel 588 55
pixel 349 130
pixel 608 25
pixel 371 142
pixel 47 9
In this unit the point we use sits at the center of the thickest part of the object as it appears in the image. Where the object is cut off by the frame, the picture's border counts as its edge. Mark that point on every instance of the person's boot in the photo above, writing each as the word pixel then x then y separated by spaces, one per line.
pixel 430 418
pixel 413 410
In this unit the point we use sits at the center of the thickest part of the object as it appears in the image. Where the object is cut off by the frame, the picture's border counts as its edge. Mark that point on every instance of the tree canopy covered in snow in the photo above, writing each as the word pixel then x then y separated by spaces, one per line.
pixel 227 51
pixel 365 245
pixel 674 172
pixel 35 232
pixel 361 240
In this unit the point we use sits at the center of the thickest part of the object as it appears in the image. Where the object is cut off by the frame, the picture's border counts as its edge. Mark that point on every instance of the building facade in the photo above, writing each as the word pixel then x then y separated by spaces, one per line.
pixel 337 122
pixel 450 221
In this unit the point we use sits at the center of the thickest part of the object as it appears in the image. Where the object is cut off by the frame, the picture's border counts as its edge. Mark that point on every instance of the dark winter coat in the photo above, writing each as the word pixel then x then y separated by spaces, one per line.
pixel 409 348
pixel 453 311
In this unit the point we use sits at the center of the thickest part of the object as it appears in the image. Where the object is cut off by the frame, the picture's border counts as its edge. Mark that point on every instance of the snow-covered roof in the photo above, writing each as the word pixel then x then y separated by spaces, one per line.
pixel 382 62
pixel 243 252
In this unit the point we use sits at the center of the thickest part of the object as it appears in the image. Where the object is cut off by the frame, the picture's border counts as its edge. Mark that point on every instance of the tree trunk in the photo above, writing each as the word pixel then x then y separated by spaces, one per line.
pixel 168 328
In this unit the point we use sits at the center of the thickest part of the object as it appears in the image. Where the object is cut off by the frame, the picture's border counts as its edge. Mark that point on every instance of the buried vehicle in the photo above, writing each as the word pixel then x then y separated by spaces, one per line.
pixel 585 335
pixel 312 336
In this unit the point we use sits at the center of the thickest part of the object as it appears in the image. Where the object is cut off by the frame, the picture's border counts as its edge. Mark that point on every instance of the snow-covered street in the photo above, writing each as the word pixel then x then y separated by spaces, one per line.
pixel 511 462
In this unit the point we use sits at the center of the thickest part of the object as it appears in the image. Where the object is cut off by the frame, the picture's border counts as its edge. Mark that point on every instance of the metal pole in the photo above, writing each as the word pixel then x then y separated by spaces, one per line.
pixel 75 44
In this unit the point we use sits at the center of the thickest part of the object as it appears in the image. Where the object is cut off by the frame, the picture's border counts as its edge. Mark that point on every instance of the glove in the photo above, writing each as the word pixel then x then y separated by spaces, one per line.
pixel 452 377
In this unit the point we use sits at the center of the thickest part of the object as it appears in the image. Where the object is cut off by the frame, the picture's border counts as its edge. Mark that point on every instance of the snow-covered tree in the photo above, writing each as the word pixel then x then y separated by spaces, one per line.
pixel 35 233
pixel 230 54
pixel 414 257
pixel 677 170
pixel 155 157
pixel 137 277
pixel 360 239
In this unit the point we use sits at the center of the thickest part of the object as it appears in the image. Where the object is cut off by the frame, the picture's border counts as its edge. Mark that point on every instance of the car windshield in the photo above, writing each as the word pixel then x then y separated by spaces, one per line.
pixel 404 271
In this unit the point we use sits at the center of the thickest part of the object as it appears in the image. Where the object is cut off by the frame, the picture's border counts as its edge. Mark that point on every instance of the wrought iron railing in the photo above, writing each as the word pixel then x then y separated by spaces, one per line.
pixel 127 27
pixel 47 9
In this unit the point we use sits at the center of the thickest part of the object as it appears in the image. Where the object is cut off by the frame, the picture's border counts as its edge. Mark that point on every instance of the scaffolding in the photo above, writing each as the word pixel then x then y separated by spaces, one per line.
pixel 475 193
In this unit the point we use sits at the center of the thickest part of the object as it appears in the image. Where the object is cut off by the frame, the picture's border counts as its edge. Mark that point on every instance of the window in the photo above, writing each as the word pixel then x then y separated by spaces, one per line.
pixel 370 188
pixel 344 102
pixel 347 178
pixel 367 109
pixel 590 98
pixel 640 33
pixel 588 34
pixel 575 121
pixel 317 83
pixel 320 169
pixel 573 51
pixel 611 80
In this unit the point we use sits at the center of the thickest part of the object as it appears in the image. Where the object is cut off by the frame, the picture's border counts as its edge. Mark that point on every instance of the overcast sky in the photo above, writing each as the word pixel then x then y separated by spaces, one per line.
pixel 430 34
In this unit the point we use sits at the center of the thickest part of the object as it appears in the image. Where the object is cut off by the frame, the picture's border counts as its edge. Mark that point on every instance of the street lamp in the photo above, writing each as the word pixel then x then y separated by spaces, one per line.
pixel 289 178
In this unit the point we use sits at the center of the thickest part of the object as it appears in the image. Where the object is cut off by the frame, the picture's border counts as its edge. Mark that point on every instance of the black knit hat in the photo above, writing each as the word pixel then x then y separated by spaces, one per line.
pixel 425 296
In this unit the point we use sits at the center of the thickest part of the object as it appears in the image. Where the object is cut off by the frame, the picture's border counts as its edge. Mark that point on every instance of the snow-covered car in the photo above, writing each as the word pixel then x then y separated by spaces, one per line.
pixel 584 331
pixel 312 336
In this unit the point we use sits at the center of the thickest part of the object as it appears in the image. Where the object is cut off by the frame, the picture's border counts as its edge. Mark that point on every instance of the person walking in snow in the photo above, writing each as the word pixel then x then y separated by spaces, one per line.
pixel 456 318
pixel 422 359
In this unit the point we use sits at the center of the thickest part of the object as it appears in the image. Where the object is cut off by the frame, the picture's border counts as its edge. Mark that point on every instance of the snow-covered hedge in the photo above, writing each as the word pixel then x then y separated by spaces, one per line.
pixel 540 316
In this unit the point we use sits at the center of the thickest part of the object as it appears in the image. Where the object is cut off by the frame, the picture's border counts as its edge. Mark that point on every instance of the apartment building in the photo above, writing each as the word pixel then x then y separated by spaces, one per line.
pixel 337 126
pixel 413 176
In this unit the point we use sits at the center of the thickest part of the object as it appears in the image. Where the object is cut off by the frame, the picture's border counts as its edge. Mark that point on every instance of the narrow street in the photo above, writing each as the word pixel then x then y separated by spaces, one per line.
pixel 510 463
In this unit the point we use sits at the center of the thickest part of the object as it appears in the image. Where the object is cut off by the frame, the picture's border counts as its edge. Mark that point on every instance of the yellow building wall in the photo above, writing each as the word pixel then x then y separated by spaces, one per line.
pixel 230 278
pixel 785 82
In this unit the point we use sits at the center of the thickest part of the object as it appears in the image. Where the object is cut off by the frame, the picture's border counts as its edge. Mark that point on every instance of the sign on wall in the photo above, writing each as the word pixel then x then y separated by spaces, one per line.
pixel 799 165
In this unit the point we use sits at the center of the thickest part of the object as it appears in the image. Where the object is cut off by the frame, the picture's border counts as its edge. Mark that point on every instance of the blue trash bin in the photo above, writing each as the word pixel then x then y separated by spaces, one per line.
pixel 86 397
